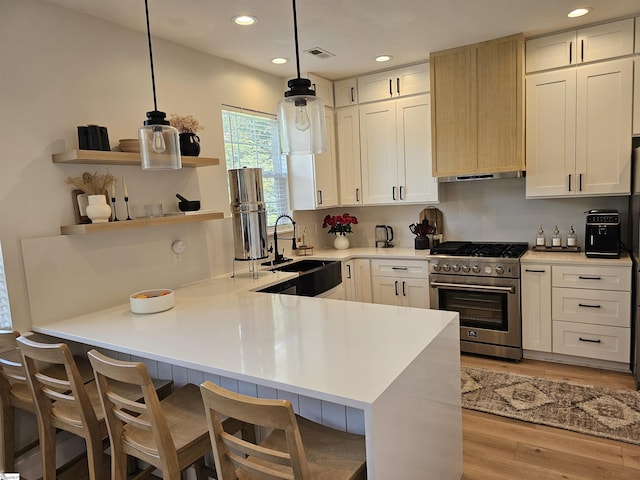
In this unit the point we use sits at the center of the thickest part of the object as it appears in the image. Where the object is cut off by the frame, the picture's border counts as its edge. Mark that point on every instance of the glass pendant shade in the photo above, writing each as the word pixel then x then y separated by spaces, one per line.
pixel 301 120
pixel 159 144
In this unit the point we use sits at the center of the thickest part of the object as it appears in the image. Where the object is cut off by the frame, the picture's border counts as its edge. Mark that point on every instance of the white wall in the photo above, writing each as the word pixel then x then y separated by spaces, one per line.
pixel 60 69
pixel 485 210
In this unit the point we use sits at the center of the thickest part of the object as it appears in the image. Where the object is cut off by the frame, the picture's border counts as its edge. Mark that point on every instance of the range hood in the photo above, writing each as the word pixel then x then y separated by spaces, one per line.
pixel 481 176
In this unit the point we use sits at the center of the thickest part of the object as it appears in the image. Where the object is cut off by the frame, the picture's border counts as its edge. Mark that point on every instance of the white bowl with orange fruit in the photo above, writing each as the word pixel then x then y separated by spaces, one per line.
pixel 152 301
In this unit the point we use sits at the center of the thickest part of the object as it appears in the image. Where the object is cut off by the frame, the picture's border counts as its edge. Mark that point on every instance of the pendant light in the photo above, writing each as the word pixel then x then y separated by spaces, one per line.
pixel 159 141
pixel 301 113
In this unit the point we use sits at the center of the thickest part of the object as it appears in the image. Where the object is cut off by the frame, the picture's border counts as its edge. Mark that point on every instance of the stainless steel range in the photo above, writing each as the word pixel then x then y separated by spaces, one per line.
pixel 480 281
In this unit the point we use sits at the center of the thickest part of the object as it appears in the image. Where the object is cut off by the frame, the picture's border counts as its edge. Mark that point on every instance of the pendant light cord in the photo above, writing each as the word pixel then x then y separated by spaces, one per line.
pixel 153 76
pixel 295 34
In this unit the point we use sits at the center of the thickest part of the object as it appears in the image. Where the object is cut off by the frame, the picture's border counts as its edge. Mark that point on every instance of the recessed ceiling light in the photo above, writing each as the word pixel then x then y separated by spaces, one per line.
pixel 578 12
pixel 383 58
pixel 279 60
pixel 245 20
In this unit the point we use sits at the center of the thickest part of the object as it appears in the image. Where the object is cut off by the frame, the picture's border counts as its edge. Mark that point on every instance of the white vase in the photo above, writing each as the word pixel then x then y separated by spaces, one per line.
pixel 341 242
pixel 98 210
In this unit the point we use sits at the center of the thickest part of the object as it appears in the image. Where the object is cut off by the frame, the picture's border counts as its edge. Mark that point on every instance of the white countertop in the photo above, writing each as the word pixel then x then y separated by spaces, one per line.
pixel 578 258
pixel 370 252
pixel 345 352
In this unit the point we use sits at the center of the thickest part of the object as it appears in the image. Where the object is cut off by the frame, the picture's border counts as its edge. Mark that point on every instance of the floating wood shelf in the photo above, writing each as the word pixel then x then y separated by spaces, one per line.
pixel 99 157
pixel 140 222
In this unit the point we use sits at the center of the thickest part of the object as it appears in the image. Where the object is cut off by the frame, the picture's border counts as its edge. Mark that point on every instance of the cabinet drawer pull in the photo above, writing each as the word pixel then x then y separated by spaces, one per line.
pixel 396 283
pixel 400 268
pixel 531 270
pixel 589 340
pixel 404 292
pixel 582 277
pixel 586 305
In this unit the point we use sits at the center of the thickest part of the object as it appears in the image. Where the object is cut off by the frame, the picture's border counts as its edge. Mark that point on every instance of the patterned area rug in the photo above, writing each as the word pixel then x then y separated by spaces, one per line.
pixel 599 411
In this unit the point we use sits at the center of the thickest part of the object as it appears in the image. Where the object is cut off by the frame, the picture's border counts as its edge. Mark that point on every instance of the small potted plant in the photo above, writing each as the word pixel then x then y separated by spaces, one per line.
pixel 340 225
pixel 187 127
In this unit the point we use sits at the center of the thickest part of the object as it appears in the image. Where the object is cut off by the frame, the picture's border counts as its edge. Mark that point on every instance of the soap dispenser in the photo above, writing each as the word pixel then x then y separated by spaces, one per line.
pixel 556 239
pixel 572 238
pixel 540 239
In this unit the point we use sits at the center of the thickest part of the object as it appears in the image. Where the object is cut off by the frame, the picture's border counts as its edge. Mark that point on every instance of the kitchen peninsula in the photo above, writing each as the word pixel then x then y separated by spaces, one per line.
pixel 395 371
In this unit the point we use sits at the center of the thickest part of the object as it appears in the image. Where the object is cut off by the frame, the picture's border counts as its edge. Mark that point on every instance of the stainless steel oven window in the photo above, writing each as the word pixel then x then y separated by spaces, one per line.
pixel 477 309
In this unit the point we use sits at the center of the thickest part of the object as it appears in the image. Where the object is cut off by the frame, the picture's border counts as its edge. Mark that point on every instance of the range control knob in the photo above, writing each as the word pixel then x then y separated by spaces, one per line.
pixel 475 268
pixel 436 267
pixel 446 267
pixel 499 269
pixel 465 268
pixel 455 267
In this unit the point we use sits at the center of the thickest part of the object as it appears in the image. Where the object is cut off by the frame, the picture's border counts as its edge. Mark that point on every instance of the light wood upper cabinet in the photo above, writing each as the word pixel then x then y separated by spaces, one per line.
pixel 579 129
pixel 401 82
pixel 348 140
pixel 345 92
pixel 477 111
pixel 590 44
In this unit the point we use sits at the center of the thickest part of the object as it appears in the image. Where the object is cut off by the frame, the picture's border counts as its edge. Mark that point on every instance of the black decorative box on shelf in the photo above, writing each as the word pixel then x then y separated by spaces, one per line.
pixel 539 248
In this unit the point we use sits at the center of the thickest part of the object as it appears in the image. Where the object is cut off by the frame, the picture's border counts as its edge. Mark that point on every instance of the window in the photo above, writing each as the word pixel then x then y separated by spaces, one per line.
pixel 251 139
pixel 5 313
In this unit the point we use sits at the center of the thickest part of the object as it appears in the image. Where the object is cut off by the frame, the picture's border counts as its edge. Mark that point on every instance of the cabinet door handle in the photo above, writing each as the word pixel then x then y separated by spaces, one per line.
pixel 396 288
pixel 398 85
pixel 586 305
pixel 582 50
pixel 400 268
pixel 534 271
pixel 314 87
pixel 582 277
pixel 580 182
pixel 589 340
pixel 570 52
pixel 390 88
pixel 357 194
pixel 404 291
pixel 393 192
pixel 348 271
pixel 319 197
pixel 353 92
pixel 401 196
pixel 569 182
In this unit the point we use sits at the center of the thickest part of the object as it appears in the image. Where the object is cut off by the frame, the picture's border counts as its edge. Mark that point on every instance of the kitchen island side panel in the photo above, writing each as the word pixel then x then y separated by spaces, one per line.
pixel 417 421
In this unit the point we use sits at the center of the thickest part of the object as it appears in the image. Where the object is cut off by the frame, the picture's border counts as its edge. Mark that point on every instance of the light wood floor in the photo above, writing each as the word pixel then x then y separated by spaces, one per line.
pixel 497 448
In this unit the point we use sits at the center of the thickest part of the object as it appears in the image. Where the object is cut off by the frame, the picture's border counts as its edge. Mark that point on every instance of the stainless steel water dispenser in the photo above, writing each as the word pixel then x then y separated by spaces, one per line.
pixel 249 214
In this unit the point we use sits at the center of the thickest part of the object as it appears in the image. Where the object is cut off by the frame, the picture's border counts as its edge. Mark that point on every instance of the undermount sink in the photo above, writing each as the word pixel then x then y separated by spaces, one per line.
pixel 301 266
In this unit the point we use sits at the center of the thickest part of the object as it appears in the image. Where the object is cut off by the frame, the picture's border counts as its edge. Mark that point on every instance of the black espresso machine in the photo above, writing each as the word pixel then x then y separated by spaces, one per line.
pixel 602 234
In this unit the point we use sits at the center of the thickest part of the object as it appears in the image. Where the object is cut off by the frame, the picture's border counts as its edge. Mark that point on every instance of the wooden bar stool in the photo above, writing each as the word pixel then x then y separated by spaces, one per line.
pixel 66 403
pixel 15 393
pixel 171 434
pixel 297 448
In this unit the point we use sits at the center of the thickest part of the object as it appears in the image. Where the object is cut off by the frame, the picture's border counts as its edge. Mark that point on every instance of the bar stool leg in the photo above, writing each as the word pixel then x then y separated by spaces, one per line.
pixel 7 438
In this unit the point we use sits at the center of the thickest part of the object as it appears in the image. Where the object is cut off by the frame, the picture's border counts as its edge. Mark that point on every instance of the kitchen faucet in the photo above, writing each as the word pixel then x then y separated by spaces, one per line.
pixel 278 257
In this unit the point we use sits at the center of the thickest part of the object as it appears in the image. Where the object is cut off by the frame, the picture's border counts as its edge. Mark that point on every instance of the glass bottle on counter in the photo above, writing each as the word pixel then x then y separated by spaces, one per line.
pixel 572 238
pixel 556 239
pixel 540 238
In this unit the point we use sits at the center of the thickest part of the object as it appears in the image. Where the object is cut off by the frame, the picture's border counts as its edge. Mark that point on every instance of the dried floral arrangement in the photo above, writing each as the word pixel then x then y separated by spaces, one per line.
pixel 185 123
pixel 93 183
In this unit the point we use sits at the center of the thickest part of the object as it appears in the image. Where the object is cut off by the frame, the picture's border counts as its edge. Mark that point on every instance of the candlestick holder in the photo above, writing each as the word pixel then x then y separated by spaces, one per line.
pixel 126 202
pixel 115 215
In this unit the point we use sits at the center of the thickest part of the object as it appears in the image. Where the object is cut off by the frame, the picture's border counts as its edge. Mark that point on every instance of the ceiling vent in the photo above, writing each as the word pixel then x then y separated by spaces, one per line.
pixel 319 52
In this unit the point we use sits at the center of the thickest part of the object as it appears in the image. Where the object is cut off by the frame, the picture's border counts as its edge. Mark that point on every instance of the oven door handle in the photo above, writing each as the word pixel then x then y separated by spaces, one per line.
pixel 486 288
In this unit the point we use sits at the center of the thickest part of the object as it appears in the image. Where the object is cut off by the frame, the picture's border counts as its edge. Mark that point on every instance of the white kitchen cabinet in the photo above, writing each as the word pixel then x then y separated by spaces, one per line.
pixel 323 89
pixel 591 312
pixel 348 147
pixel 404 81
pixel 345 92
pixel 590 44
pixel 578 124
pixel 356 276
pixel 313 179
pixel 395 151
pixel 536 307
pixel 400 282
